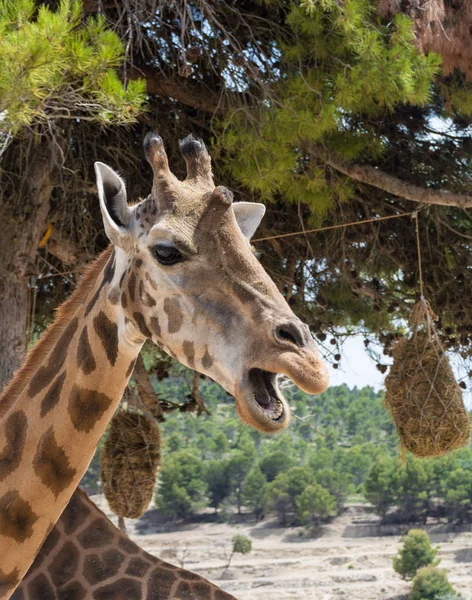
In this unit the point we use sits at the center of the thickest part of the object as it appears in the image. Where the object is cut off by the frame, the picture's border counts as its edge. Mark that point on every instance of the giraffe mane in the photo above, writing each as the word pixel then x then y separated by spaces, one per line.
pixel 41 349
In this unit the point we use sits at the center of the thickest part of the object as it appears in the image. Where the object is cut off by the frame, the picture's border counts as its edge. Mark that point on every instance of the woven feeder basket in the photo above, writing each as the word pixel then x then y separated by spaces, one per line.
pixel 422 394
pixel 129 463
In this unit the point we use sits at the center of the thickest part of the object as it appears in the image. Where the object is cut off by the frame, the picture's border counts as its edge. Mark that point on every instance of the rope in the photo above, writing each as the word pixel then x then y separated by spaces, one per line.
pixel 284 235
pixel 418 246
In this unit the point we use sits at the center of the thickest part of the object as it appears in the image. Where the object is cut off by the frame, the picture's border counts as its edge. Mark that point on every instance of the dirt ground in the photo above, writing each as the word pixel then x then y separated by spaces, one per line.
pixel 348 560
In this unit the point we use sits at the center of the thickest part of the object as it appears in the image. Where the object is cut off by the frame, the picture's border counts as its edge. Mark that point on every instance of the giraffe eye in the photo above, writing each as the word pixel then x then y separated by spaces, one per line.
pixel 167 255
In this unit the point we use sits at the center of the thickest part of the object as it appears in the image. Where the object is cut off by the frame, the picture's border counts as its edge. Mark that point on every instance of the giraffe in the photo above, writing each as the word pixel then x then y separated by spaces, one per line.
pixel 86 557
pixel 179 271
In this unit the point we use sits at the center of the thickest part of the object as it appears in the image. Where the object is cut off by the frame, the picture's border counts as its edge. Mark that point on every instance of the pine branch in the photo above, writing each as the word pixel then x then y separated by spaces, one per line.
pixel 398 187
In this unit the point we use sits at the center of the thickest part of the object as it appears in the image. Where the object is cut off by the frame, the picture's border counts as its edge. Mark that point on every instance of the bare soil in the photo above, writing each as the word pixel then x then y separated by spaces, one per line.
pixel 349 559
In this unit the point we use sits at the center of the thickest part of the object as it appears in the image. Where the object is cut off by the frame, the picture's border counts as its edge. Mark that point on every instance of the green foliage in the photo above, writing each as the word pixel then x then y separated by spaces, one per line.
pixel 341 60
pixel 254 492
pixel 430 584
pixel 55 67
pixel 315 505
pixel 181 486
pixel 380 486
pixel 416 553
pixel 241 544
pixel 247 471
pixel 218 482
pixel 275 463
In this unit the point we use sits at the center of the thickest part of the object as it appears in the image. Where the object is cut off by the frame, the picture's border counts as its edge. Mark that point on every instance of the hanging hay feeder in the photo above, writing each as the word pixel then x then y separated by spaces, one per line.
pixel 422 394
pixel 129 463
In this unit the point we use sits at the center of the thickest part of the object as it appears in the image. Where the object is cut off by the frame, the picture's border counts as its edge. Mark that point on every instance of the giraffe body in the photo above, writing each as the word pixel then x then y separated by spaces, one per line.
pixel 180 272
pixel 87 558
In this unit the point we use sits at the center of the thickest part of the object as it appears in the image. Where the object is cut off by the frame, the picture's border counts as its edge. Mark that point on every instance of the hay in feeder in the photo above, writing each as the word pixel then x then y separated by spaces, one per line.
pixel 422 393
pixel 129 463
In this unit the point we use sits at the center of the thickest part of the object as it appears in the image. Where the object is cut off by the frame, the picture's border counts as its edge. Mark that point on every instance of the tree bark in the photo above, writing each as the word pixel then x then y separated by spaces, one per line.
pixel 398 187
pixel 18 248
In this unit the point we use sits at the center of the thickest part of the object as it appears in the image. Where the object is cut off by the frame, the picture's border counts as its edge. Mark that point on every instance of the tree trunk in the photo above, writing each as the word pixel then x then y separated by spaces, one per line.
pixel 13 300
pixel 21 233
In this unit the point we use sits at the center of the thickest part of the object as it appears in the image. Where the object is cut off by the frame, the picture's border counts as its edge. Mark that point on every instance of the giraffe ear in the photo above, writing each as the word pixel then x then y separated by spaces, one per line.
pixel 248 216
pixel 113 204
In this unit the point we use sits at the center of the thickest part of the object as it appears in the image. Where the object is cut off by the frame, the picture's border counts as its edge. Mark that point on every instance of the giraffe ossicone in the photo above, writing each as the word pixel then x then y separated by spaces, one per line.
pixel 180 271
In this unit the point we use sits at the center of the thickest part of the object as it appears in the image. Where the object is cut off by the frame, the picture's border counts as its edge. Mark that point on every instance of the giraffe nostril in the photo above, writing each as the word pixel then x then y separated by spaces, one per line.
pixel 289 333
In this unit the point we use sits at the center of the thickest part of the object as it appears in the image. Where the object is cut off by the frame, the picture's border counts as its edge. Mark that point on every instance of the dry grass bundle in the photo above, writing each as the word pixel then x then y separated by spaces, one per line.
pixel 422 393
pixel 129 463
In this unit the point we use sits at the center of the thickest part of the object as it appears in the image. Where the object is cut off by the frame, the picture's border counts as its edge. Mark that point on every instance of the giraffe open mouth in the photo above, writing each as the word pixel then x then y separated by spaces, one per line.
pixel 267 395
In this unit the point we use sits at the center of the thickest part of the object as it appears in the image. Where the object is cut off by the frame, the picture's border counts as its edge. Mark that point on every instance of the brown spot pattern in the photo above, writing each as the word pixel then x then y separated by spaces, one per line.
pixel 151 281
pixel 141 323
pixel 137 567
pixel 51 542
pixel 53 395
pixel 108 273
pixel 7 581
pixel 184 591
pixel 75 514
pixel 124 300
pixel 155 326
pixel 94 299
pixel 74 591
pixel 97 567
pixel 51 464
pixel 64 566
pixel 86 407
pixel 46 374
pixel 123 589
pixel 174 314
pixel 189 351
pixel 41 588
pixel 85 358
pixel 188 575
pixel 132 286
pixel 16 517
pixel 15 436
pixel 160 584
pixel 146 299
pixel 207 360
pixel 107 331
pixel 202 590
pixel 128 546
pixel 96 535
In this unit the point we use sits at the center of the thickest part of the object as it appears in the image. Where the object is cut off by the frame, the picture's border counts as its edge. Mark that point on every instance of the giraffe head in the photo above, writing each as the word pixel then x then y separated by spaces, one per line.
pixel 190 282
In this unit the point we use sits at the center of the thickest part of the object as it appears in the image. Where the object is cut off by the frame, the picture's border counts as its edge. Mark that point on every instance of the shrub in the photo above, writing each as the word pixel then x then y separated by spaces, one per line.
pixel 241 545
pixel 417 552
pixel 430 584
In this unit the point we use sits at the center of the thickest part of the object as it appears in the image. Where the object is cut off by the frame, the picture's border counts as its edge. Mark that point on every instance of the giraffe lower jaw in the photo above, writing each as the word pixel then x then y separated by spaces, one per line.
pixel 267 396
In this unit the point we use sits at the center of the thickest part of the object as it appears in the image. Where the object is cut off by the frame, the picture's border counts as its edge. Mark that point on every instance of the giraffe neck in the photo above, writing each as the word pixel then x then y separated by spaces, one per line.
pixel 86 557
pixel 57 408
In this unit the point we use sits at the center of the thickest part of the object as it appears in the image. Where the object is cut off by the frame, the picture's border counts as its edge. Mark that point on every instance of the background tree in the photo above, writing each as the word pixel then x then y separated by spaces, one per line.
pixel 56 71
pixel 254 491
pixel 182 485
pixel 241 545
pixel 415 553
pixel 431 584
pixel 315 505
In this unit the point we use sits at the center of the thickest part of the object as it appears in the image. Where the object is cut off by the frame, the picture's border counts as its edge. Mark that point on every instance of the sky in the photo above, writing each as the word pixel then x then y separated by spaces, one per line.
pixel 356 368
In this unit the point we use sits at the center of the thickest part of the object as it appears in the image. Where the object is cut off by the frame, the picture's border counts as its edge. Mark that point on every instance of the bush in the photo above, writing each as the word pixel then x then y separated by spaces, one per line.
pixel 417 552
pixel 431 584
pixel 241 545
